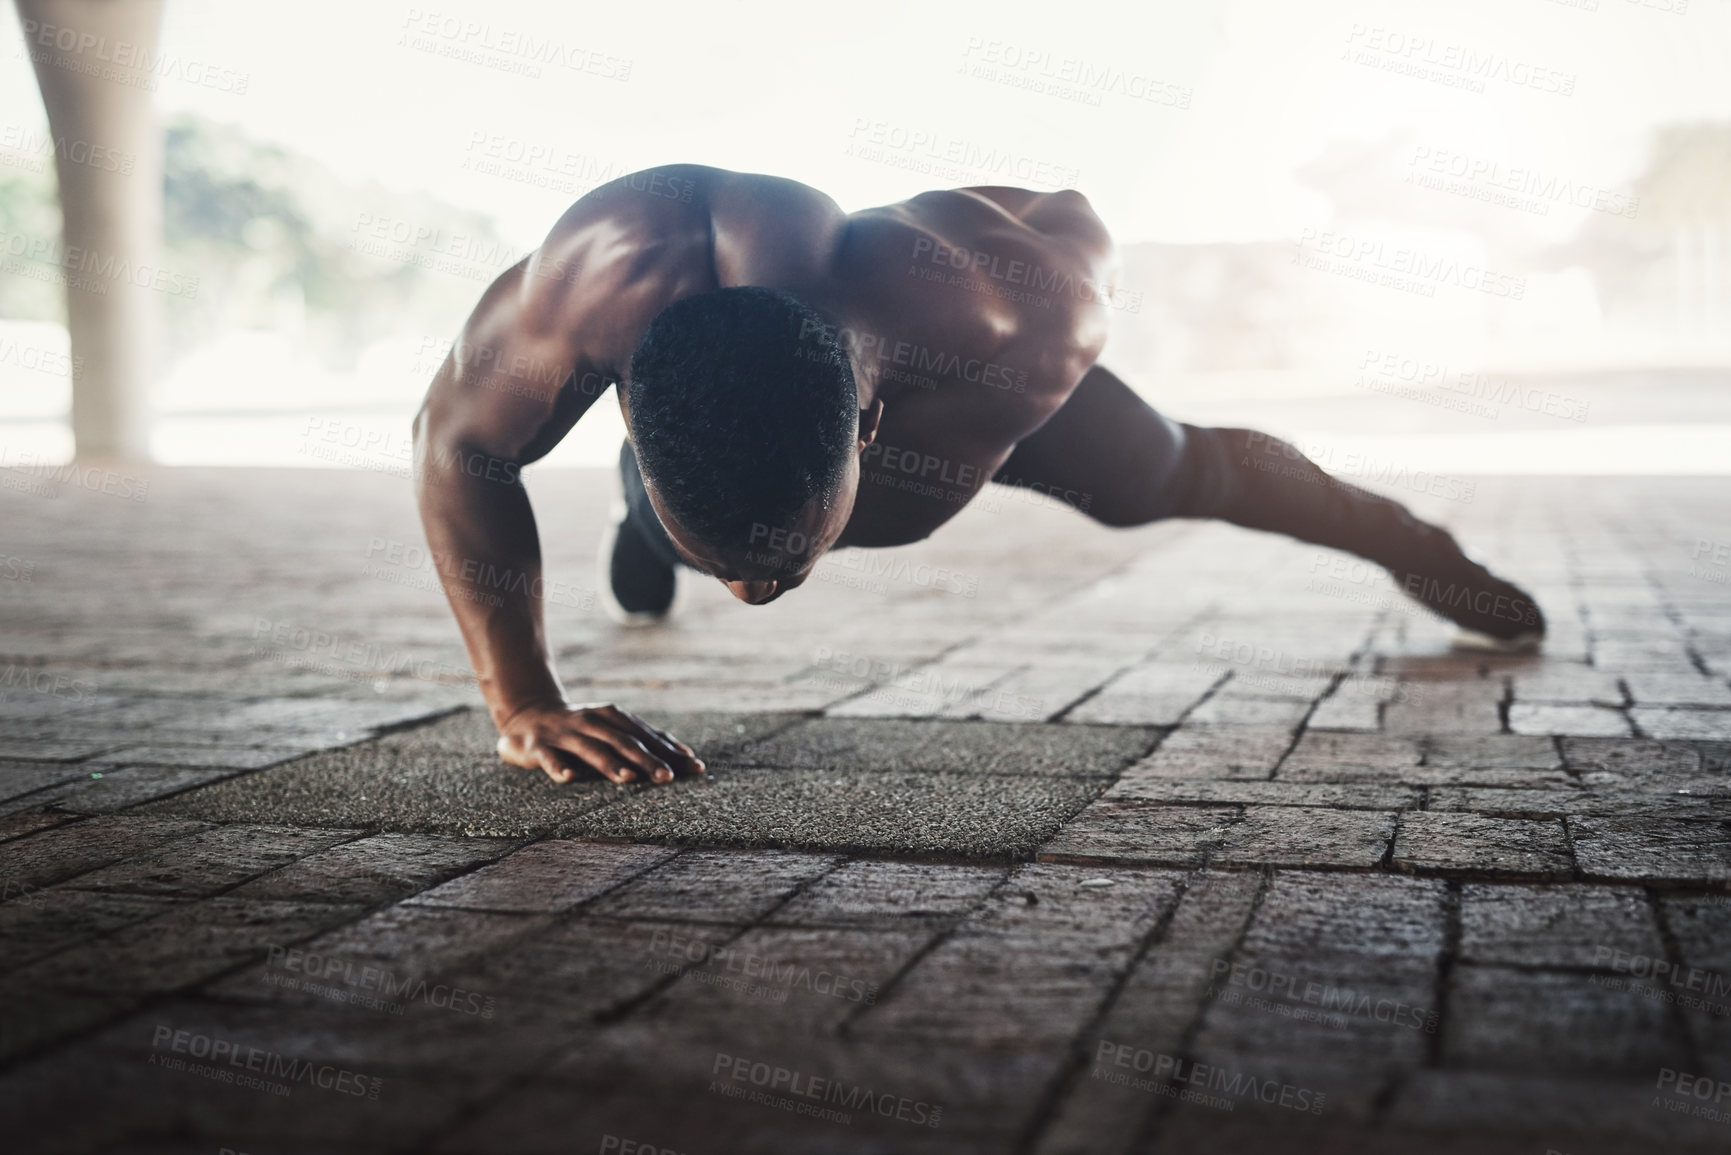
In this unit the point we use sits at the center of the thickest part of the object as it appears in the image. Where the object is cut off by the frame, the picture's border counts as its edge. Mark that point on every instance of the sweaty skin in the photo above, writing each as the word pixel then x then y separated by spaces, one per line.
pixel 970 315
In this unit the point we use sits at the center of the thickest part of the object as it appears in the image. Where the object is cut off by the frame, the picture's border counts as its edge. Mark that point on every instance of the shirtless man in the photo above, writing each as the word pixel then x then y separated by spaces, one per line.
pixel 779 364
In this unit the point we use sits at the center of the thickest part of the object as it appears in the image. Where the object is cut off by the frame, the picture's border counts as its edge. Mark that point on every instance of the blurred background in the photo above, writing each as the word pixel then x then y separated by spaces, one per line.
pixel 1486 236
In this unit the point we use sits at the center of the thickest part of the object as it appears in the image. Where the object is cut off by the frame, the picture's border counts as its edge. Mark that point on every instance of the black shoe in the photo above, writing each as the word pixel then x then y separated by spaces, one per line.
pixel 1493 614
pixel 637 586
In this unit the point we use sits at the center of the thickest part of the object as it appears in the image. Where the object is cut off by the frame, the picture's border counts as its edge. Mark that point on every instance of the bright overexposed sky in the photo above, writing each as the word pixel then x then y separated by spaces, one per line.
pixel 1181 122
pixel 403 93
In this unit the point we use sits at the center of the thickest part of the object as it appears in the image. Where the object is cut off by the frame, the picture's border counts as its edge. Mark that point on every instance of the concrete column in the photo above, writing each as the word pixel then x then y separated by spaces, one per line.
pixel 93 61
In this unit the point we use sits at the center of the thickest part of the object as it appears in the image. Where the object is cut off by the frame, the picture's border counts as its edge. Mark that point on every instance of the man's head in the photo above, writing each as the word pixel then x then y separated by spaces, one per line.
pixel 745 417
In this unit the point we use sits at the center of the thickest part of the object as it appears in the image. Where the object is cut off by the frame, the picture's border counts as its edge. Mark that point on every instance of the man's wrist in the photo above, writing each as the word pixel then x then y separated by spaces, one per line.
pixel 504 715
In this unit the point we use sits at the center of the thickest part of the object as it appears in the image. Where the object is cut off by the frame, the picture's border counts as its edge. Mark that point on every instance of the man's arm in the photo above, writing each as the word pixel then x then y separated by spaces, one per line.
pixel 527 365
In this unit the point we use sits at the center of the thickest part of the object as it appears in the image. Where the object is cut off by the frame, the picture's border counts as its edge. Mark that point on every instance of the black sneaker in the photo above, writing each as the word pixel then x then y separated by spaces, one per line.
pixel 637 586
pixel 1492 614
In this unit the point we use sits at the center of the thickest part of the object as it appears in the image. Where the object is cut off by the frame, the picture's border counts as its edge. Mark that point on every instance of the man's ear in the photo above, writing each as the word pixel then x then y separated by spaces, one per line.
pixel 868 423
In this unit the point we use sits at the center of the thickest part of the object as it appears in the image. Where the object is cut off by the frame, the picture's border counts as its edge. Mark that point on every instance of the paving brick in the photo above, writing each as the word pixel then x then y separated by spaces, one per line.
pixel 1353 712
pixel 1060 953
pixel 18 779
pixel 851 746
pixel 380 868
pixel 1652 849
pixel 585 968
pixel 715 886
pixel 1258 712
pixel 1492 752
pixel 226 757
pixel 1561 1023
pixel 1472 843
pixel 1350 796
pixel 1152 1010
pixel 116 788
pixel 31 1017
pixel 41 922
pixel 1561 802
pixel 800 979
pixel 1516 1112
pixel 1307 915
pixel 211 861
pixel 181 947
pixel 1566 683
pixel 1586 721
pixel 66 851
pixel 546 877
pixel 883 894
pixel 1282 836
pixel 1149 695
pixel 1447 708
pixel 1129 832
pixel 1213 753
pixel 1680 723
pixel 972 815
pixel 1328 757
pixel 1555 926
pixel 406 790
pixel 1650 689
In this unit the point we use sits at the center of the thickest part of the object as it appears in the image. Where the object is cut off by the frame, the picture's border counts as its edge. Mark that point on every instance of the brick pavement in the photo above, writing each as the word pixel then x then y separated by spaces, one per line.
pixel 1181 839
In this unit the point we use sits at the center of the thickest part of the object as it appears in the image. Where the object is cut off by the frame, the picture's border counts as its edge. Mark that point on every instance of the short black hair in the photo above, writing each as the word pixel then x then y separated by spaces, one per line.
pixel 743 409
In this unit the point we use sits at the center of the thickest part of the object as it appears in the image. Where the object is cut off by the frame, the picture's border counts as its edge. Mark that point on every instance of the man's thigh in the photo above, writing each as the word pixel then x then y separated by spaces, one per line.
pixel 1105 451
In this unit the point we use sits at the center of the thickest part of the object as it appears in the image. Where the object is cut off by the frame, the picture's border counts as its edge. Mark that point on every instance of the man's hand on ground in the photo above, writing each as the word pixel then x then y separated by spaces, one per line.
pixel 621 747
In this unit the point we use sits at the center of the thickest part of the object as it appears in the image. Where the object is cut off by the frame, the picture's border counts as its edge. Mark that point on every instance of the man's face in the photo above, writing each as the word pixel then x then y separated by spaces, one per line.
pixel 778 558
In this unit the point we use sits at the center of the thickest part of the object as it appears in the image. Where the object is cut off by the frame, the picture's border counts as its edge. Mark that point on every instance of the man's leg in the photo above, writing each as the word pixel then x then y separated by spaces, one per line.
pixel 1128 465
pixel 638 563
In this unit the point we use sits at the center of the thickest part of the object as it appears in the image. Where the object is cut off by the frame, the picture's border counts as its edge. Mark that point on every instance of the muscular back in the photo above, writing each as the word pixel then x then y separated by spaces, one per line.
pixel 970 313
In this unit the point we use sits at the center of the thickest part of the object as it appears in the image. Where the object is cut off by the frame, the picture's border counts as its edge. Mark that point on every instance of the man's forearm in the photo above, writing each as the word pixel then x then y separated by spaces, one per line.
pixel 483 533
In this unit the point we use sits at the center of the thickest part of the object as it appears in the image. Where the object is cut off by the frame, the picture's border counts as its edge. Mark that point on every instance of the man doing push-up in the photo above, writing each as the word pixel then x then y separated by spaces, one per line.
pixel 777 361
